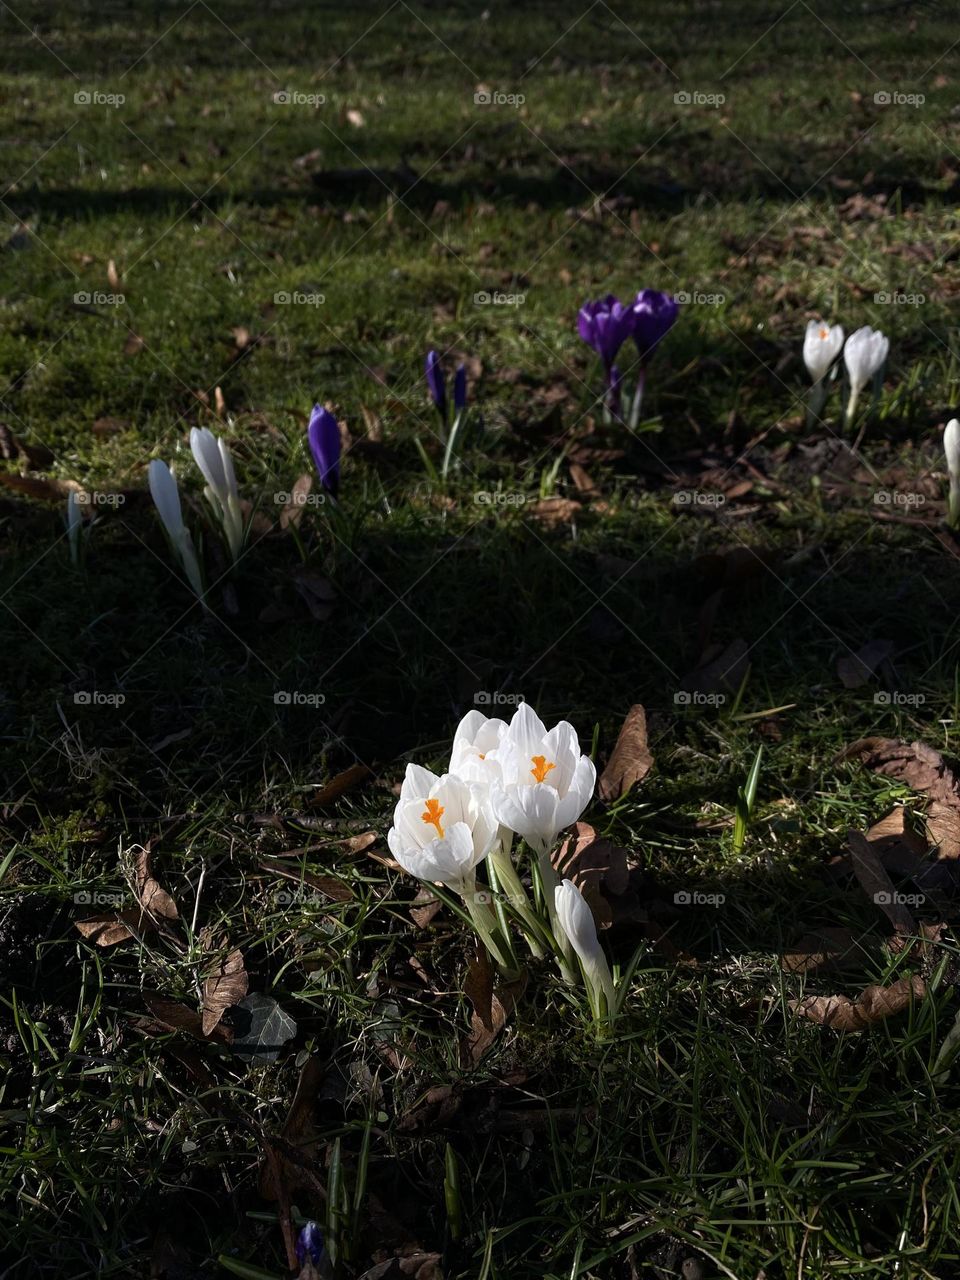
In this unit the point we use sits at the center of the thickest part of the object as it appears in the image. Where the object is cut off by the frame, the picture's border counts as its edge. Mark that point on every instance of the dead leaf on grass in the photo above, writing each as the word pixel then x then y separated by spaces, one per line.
pixel 871 1006
pixel 925 770
pixel 876 883
pixel 342 782
pixel 223 989
pixel 828 948
pixel 153 898
pixel 631 760
pixel 855 669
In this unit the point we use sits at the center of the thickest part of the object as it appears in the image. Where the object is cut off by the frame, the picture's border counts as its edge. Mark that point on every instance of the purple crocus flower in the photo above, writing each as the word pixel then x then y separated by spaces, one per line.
pixel 309 1244
pixel 460 389
pixel 437 383
pixel 605 325
pixel 323 434
pixel 654 313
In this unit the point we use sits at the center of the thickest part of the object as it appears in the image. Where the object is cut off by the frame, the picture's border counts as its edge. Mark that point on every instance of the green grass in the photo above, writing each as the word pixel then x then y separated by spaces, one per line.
pixel 713 1124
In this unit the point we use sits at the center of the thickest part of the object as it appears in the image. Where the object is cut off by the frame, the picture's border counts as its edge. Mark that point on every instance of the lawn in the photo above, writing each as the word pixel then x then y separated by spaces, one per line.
pixel 216 215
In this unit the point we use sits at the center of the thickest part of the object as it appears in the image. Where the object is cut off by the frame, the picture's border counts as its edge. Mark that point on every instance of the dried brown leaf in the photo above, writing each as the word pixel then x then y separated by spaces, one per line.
pixel 876 883
pixel 926 771
pixel 292 512
pixel 223 989
pixel 43 488
pixel 554 512
pixel 174 1016
pixel 872 1005
pixel 154 899
pixel 855 669
pixel 630 761
pixel 831 947
pixel 342 782
pixel 600 871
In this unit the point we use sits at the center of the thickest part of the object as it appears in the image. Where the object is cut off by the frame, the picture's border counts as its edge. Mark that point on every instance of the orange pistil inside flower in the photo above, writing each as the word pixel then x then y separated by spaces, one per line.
pixel 433 815
pixel 541 767
pixel 824 333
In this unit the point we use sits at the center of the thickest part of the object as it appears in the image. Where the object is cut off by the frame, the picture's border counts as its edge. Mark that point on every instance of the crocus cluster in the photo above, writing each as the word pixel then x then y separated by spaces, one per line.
pixel 606 324
pixel 864 355
pixel 505 780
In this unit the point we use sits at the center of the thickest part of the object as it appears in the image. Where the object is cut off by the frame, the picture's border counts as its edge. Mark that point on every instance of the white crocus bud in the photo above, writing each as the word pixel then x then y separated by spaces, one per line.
pixel 864 357
pixel 951 447
pixel 166 497
pixel 213 457
pixel 574 917
pixel 821 346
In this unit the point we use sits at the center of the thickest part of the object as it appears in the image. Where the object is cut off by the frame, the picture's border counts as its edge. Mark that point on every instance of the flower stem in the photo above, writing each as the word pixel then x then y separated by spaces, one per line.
pixel 485 923
pixel 506 874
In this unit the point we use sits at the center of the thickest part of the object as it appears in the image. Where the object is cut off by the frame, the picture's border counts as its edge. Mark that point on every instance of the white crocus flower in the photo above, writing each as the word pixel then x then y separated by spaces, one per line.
pixel 864 356
pixel 545 783
pixel 212 455
pixel 821 346
pixel 475 743
pixel 951 447
pixel 443 828
pixel 166 497
pixel 474 757
pixel 575 919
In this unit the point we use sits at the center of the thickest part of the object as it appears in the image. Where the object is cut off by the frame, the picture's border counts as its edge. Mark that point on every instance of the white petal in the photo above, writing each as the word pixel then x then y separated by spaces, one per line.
pixel 206 454
pixel 951 446
pixel 166 497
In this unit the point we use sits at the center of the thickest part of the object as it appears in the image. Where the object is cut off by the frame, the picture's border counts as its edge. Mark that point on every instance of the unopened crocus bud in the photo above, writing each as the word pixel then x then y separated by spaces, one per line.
pixel 436 383
pixel 821 346
pixel 323 436
pixel 309 1244
pixel 864 356
pixel 460 389
pixel 951 447
pixel 575 919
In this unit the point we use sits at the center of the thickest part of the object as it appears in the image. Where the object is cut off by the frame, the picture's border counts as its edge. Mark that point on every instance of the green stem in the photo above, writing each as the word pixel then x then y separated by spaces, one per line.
pixel 485 923
pixel 566 958
pixel 506 874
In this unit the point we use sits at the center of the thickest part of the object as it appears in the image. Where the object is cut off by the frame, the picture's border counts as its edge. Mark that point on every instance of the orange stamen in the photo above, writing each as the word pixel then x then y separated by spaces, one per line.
pixel 540 767
pixel 824 332
pixel 433 815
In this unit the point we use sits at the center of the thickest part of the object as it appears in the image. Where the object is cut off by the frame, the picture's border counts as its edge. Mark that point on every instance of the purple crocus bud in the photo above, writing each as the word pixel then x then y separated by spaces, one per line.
pixel 654 313
pixel 605 325
pixel 460 389
pixel 436 383
pixel 323 435
pixel 309 1244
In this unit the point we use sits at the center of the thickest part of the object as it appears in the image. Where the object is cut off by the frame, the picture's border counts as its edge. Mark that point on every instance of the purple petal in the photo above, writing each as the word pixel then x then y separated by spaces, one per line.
pixel 323 435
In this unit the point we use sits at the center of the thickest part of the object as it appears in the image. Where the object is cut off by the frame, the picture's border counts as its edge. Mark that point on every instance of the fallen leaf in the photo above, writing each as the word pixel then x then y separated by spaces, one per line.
pixel 108 930
pixel 316 591
pixel 630 761
pixel 354 117
pixel 492 1005
pixel 876 883
pixel 720 670
pixel 600 871
pixel 855 669
pixel 43 488
pixel 926 771
pixel 872 1005
pixel 174 1016
pixel 223 989
pixel 300 1132
pixel 12 447
pixel 263 1028
pixel 830 947
pixel 554 512
pixel 133 345
pixel 154 899
pixel 342 782
pixel 113 275
pixel 329 885
pixel 424 907
pixel 292 512
pixel 581 480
